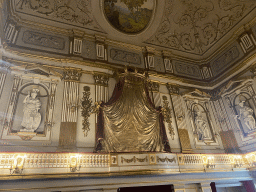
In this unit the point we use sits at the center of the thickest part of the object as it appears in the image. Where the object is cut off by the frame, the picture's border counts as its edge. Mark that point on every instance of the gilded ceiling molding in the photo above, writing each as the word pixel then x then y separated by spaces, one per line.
pixel 208 85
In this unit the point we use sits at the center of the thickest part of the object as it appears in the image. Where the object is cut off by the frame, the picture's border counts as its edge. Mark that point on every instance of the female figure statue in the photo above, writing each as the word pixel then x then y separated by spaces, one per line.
pixel 202 126
pixel 246 114
pixel 31 118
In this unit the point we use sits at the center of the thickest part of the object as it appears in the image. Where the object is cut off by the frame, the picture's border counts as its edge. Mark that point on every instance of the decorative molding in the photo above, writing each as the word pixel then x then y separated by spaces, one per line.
pixel 124 56
pixel 153 86
pixel 40 39
pixel 86 105
pixel 101 80
pixel 72 74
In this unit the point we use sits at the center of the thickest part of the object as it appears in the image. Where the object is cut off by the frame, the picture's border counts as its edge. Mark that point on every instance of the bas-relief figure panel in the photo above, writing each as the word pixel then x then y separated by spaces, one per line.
pixel 125 57
pixel 45 41
pixel 226 59
pixel 194 26
pixel 188 70
pixel 89 49
pixel 75 12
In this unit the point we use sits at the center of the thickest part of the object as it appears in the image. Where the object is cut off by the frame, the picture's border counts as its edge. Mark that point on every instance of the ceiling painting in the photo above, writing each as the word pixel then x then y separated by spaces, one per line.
pixel 129 16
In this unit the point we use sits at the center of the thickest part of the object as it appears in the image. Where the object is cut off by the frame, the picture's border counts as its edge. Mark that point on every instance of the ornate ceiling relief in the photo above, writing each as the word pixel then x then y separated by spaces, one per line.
pixel 195 25
pixel 75 12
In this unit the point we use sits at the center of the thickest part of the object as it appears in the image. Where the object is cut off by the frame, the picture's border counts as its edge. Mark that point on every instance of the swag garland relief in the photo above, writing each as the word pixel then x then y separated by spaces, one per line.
pixel 29 114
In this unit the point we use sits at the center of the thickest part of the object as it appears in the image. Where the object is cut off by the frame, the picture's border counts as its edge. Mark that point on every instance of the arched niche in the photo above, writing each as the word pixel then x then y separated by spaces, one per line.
pixel 202 126
pixel 245 107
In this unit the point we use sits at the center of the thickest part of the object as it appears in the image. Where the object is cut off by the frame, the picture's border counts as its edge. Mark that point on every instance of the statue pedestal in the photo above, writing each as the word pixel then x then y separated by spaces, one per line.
pixel 25 135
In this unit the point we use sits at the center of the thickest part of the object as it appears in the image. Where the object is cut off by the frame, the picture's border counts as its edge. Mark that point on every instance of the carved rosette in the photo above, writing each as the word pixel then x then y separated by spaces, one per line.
pixel 86 110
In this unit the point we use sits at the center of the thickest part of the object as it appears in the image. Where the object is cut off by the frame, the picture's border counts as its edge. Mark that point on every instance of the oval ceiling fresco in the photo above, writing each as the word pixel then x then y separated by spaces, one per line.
pixel 129 16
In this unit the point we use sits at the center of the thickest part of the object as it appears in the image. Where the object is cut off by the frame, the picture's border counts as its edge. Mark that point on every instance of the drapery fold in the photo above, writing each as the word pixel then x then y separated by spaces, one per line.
pixel 128 122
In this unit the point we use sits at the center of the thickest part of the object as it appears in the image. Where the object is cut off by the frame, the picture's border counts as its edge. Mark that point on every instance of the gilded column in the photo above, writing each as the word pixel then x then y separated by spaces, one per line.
pixel 69 109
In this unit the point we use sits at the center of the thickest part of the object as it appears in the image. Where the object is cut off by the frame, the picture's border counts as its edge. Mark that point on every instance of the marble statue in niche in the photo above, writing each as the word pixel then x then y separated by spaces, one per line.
pixel 202 126
pixel 31 117
pixel 246 114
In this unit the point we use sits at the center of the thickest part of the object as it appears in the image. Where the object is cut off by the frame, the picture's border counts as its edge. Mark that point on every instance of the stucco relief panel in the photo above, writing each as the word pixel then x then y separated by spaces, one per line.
pixel 194 26
pixel 76 12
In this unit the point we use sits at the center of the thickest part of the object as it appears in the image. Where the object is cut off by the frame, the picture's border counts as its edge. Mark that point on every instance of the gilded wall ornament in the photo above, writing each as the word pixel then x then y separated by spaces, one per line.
pixel 166 111
pixel 129 16
pixel 86 104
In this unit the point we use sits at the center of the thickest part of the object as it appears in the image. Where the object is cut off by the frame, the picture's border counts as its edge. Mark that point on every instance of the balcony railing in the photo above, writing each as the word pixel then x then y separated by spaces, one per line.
pixel 42 164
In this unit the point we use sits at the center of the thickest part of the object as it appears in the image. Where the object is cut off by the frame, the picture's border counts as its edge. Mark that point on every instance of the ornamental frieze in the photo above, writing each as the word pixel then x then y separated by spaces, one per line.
pixel 40 39
pixel 124 56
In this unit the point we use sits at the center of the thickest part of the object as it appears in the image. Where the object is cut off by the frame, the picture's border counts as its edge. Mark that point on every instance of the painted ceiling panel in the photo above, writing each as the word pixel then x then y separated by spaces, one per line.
pixel 194 26
pixel 72 12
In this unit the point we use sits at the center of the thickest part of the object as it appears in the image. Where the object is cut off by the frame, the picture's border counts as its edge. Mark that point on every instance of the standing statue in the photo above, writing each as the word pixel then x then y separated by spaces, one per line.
pixel 246 114
pixel 202 126
pixel 31 118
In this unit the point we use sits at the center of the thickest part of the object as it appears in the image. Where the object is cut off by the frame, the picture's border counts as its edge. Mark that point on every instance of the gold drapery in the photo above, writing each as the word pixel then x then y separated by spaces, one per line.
pixel 131 123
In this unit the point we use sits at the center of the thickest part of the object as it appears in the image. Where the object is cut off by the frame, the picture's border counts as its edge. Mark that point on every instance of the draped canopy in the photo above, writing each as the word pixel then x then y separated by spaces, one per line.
pixel 129 122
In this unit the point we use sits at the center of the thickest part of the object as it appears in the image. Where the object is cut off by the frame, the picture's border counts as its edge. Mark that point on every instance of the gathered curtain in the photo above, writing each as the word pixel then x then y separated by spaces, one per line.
pixel 129 122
